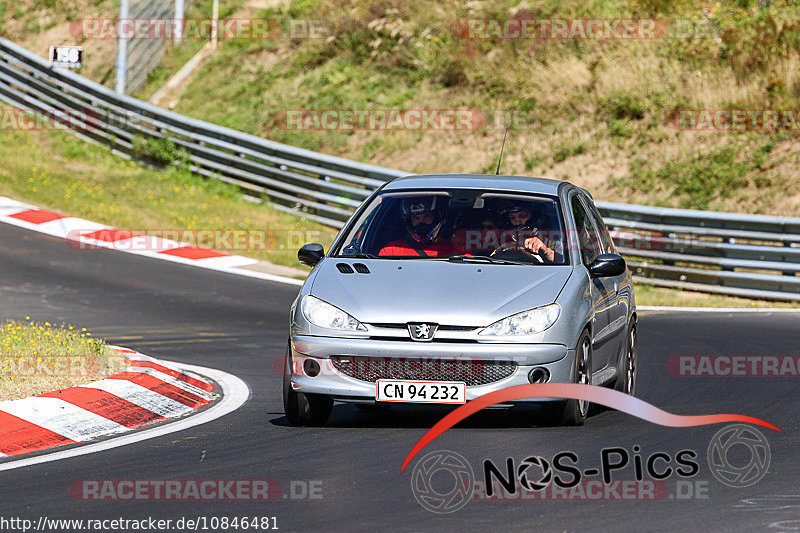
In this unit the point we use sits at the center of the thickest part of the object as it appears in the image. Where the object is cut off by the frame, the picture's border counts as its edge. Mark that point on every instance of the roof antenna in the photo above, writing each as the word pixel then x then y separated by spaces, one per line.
pixel 501 152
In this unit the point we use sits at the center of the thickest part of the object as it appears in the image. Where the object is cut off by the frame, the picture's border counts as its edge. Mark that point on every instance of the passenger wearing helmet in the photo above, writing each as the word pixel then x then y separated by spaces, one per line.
pixel 423 217
pixel 526 228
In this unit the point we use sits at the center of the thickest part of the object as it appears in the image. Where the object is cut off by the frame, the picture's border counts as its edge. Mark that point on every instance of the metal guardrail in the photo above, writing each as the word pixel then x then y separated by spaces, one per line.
pixel 726 253
pixel 754 256
pixel 322 187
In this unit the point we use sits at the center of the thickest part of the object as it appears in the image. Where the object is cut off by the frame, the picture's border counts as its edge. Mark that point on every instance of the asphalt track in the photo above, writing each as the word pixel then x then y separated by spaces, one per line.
pixel 239 325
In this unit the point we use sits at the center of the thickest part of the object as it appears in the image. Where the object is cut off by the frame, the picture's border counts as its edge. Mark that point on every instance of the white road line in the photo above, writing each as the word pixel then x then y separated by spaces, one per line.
pixel 718 309
pixel 142 396
pixel 61 417
pixel 235 391
pixel 229 261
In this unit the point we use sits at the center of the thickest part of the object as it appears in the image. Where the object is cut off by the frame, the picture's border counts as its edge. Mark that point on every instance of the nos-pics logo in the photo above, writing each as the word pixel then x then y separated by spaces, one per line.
pixel 443 481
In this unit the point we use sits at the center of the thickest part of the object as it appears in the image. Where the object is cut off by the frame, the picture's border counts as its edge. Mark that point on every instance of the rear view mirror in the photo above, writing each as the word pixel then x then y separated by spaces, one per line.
pixel 311 254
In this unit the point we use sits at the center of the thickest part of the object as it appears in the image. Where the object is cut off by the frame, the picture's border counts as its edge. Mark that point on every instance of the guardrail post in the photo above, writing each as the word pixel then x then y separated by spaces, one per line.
pixel 122 47
pixel 179 14
pixel 214 24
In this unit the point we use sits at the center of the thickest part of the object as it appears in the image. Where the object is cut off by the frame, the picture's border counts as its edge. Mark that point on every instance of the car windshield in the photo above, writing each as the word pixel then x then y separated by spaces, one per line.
pixel 460 225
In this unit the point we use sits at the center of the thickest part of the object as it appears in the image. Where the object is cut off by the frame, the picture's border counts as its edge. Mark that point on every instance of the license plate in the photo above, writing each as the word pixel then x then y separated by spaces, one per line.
pixel 396 390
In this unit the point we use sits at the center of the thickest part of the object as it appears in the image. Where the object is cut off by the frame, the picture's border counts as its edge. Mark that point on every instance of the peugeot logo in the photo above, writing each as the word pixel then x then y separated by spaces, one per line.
pixel 421 331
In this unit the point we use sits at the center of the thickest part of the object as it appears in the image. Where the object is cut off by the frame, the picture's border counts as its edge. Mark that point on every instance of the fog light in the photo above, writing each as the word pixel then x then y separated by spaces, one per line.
pixel 539 375
pixel 311 368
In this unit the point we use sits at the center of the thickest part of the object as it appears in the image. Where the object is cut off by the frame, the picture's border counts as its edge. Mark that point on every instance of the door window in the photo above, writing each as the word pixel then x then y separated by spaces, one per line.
pixel 587 237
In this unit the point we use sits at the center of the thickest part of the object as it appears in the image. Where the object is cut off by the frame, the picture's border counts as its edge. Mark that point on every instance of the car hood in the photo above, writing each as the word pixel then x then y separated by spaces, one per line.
pixel 464 294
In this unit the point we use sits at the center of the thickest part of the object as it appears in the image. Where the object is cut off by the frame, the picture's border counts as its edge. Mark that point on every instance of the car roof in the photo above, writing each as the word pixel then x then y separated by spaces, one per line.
pixel 478 181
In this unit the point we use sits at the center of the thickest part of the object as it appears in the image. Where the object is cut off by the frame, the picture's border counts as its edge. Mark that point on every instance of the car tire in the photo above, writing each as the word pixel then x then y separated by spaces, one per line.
pixel 574 412
pixel 303 409
pixel 626 380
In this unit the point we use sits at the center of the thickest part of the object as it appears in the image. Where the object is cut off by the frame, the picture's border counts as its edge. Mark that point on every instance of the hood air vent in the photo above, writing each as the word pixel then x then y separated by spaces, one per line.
pixel 344 268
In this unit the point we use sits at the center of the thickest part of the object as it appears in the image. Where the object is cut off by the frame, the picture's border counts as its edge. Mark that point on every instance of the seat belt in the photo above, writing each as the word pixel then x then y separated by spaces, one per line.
pixel 415 245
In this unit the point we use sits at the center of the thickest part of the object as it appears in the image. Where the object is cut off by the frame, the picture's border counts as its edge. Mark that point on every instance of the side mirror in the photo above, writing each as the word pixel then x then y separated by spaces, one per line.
pixel 607 265
pixel 311 254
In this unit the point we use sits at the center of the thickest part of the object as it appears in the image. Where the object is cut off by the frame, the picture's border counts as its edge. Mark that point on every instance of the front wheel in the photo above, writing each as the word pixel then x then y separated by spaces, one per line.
pixel 303 409
pixel 573 412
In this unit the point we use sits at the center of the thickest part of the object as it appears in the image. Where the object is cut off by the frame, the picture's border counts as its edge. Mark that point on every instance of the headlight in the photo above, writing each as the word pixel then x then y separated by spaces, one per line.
pixel 525 323
pixel 325 315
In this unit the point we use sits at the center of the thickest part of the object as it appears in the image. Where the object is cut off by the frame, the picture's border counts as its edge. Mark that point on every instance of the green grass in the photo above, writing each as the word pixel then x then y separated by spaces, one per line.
pixel 607 100
pixel 701 180
pixel 37 358
pixel 56 171
pixel 564 150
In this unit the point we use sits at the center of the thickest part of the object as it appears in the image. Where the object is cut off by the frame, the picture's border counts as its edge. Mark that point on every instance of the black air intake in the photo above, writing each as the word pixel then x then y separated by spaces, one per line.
pixel 361 268
pixel 344 268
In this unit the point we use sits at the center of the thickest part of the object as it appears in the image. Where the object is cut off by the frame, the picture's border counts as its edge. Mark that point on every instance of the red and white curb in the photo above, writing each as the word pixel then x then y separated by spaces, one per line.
pixel 85 233
pixel 235 394
pixel 148 391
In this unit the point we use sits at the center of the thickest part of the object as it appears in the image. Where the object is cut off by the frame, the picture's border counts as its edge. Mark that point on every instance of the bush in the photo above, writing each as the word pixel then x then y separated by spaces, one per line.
pixel 161 150
pixel 621 106
pixel 564 150
pixel 697 181
pixel 619 128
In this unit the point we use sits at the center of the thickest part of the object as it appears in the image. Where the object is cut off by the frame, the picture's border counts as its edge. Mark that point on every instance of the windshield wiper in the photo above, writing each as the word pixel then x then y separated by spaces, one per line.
pixel 364 256
pixel 462 258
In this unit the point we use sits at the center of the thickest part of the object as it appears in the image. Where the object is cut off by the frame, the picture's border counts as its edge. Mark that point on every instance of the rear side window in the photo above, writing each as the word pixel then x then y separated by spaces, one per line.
pixel 587 236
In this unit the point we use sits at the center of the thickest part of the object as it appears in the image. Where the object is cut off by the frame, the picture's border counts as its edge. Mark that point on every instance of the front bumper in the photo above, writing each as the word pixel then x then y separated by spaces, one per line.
pixel 556 358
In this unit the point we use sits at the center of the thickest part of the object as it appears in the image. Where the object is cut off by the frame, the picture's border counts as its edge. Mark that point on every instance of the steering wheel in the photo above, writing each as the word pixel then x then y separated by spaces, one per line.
pixel 513 248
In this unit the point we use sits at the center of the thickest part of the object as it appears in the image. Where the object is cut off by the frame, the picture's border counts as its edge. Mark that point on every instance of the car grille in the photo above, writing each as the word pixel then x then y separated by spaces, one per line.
pixel 441 327
pixel 473 372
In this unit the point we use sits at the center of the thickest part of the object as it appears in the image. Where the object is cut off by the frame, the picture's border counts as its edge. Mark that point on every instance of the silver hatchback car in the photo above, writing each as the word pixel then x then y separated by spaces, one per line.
pixel 442 288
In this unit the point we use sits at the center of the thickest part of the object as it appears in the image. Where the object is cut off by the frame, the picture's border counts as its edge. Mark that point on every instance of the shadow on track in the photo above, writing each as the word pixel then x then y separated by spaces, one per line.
pixel 519 416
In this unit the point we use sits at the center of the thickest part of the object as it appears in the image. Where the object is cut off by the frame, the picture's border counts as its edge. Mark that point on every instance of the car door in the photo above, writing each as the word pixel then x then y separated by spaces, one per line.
pixel 602 289
pixel 618 310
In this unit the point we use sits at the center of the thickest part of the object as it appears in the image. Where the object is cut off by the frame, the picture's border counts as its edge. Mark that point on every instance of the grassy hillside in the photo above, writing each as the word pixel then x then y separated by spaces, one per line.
pixel 596 112
pixel 600 113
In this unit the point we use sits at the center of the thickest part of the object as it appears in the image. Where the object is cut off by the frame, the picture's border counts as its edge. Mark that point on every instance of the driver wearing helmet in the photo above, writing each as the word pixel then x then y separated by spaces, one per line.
pixel 423 217
pixel 526 229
